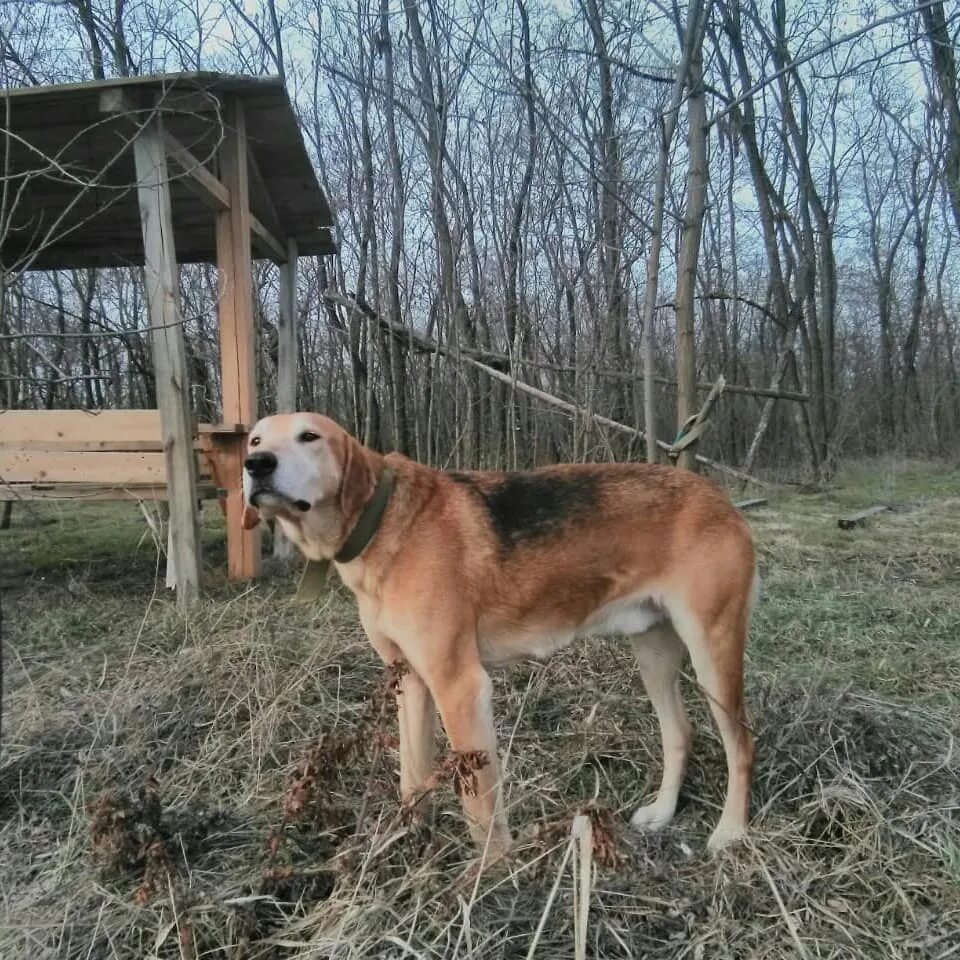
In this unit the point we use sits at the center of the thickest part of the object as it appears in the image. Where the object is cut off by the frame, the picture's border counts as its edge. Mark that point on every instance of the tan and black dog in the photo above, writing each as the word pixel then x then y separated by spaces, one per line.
pixel 454 572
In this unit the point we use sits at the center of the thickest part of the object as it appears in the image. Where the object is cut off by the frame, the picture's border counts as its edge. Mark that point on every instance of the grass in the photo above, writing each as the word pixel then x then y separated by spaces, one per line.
pixel 147 758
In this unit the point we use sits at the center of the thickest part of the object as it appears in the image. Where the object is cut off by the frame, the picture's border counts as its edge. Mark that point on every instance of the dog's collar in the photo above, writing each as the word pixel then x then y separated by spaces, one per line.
pixel 368 522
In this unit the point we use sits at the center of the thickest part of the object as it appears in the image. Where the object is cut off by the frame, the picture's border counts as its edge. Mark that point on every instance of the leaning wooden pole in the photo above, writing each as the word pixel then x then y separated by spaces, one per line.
pixel 169 357
pixel 427 345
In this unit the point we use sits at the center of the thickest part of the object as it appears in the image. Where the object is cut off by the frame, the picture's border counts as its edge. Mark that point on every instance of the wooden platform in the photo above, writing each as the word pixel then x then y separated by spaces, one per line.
pixel 166 170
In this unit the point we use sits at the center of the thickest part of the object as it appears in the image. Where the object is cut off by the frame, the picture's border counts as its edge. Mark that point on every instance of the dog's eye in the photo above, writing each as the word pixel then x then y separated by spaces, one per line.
pixel 308 437
pixel 254 441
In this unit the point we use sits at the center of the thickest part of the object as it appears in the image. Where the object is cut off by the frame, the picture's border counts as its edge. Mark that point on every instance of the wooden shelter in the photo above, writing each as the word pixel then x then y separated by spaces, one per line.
pixel 156 171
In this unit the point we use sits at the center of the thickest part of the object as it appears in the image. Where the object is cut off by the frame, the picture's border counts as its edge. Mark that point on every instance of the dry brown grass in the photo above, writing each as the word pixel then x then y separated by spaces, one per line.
pixel 224 785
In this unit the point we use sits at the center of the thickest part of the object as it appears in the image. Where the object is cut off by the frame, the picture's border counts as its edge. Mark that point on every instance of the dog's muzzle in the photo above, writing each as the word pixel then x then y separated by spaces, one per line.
pixel 261 465
pixel 259 493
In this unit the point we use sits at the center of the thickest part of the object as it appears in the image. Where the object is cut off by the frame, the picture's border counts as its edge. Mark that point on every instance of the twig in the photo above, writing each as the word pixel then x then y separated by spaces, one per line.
pixel 787 919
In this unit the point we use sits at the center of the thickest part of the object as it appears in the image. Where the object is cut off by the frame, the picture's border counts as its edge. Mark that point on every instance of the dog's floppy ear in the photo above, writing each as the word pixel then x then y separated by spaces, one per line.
pixel 358 480
pixel 250 518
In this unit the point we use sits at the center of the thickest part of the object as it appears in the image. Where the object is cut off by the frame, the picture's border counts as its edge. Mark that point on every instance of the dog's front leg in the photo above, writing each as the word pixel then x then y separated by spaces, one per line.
pixel 464 698
pixel 417 715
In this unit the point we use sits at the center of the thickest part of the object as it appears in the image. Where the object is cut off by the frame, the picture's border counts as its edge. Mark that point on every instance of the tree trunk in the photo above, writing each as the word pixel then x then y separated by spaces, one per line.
pixel 396 358
pixel 945 70
pixel 690 242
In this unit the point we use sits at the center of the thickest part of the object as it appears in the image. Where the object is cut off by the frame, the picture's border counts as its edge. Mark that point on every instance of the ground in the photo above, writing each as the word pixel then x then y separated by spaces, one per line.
pixel 224 784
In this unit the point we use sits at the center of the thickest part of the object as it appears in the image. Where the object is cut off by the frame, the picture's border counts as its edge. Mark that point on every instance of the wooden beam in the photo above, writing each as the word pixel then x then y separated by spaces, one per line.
pixel 83 492
pixel 266 242
pixel 26 427
pixel 287 334
pixel 268 232
pixel 169 358
pixel 286 363
pixel 199 180
pixel 117 100
pixel 124 463
pixel 92 466
pixel 237 361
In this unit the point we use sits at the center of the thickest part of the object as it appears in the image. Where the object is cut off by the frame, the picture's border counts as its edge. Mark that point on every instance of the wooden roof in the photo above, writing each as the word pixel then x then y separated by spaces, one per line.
pixel 71 198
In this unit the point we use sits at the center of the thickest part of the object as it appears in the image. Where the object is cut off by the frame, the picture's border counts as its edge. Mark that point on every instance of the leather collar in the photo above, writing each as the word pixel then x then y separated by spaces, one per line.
pixel 368 522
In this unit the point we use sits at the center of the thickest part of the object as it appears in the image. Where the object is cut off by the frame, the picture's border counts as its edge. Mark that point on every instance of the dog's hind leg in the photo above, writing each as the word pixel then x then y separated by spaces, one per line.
pixel 660 653
pixel 716 652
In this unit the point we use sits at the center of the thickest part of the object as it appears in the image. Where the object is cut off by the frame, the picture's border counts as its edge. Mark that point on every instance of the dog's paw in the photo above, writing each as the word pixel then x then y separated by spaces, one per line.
pixel 651 818
pixel 725 836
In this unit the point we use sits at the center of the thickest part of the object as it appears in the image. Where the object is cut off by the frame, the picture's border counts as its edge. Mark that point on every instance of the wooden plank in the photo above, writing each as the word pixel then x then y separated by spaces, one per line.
pixel 78 491
pixel 86 446
pixel 92 446
pixel 169 357
pixel 237 360
pixel 198 179
pixel 119 468
pixel 25 427
pixel 856 519
pixel 91 491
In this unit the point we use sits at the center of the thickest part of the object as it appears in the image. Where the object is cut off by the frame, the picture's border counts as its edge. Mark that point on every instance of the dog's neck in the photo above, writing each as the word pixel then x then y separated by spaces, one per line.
pixel 329 534
pixel 367 522
pixel 316 540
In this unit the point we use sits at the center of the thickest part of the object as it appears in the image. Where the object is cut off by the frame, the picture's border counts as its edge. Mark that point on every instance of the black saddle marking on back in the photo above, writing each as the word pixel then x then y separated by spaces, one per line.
pixel 533 505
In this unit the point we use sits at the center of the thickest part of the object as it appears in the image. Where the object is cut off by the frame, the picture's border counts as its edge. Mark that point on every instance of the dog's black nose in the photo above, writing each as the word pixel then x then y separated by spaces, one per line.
pixel 260 464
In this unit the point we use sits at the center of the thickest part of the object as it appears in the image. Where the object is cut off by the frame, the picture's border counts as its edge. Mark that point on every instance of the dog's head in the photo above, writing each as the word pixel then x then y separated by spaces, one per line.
pixel 299 462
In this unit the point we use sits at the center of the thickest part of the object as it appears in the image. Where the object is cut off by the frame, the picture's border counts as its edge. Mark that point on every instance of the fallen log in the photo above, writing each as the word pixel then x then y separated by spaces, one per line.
pixel 856 519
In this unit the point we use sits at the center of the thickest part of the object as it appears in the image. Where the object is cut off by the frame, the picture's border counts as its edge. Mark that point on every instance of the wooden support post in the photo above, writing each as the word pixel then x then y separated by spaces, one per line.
pixel 169 358
pixel 286 362
pixel 287 334
pixel 237 359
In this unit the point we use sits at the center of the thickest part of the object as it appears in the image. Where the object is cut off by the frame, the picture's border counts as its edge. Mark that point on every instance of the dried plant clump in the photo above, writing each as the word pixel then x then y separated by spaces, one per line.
pixel 307 795
pixel 127 834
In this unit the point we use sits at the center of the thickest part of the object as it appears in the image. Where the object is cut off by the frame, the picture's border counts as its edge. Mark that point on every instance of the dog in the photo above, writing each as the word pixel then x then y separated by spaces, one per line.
pixel 454 572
